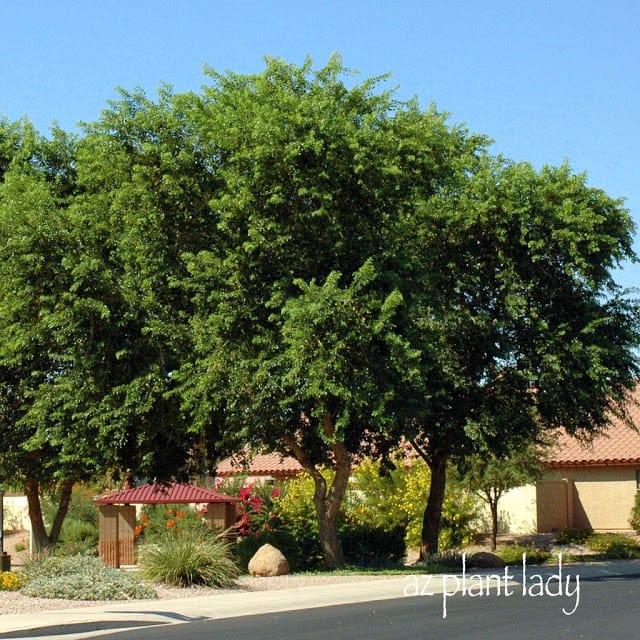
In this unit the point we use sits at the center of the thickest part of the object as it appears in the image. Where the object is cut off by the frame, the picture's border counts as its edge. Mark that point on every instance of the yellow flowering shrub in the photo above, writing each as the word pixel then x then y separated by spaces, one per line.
pixel 399 497
pixel 10 581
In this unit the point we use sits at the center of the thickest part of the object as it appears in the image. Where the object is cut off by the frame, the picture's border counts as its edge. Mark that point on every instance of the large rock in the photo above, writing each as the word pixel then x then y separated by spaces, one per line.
pixel 268 561
pixel 485 560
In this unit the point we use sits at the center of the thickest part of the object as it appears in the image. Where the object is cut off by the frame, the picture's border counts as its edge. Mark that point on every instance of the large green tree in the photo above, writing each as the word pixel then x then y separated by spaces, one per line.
pixel 42 382
pixel 90 317
pixel 302 323
pixel 534 334
pixel 146 187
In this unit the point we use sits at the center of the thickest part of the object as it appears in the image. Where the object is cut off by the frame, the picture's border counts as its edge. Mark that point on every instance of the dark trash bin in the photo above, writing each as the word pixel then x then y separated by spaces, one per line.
pixel 5 562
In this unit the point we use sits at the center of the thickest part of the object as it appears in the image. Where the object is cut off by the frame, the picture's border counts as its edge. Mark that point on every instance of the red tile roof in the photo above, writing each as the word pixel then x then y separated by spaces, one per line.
pixel 174 493
pixel 262 464
pixel 618 445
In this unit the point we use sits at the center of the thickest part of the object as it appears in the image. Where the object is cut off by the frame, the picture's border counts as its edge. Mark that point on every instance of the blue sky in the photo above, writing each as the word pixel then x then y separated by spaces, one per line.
pixel 548 81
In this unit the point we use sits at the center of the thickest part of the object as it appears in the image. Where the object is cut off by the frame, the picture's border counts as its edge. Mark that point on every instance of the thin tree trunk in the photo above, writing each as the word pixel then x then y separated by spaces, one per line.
pixel 433 510
pixel 494 523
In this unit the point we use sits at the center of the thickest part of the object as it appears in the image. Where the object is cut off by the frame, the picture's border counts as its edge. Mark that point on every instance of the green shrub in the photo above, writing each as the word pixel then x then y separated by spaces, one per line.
pixel 81 578
pixel 393 498
pixel 441 561
pixel 513 553
pixel 295 515
pixel 78 537
pixel 573 536
pixel 81 506
pixel 614 546
pixel 156 520
pixel 369 546
pixel 634 521
pixel 189 557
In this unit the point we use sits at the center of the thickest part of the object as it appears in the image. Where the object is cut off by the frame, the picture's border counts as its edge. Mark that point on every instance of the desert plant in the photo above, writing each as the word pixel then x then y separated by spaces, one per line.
pixel 513 554
pixel 394 497
pixel 295 513
pixel 189 557
pixel 81 505
pixel 441 561
pixel 634 520
pixel 573 536
pixel 81 578
pixel 613 546
pixel 78 537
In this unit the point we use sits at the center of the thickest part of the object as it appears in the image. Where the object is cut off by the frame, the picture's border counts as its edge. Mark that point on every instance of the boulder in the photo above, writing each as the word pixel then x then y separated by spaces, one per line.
pixel 485 560
pixel 268 561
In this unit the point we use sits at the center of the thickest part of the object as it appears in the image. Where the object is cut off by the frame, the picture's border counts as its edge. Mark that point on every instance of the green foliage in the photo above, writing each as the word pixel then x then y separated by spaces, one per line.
pixel 81 578
pixel 490 476
pixel 573 536
pixel 156 521
pixel 440 561
pixel 512 554
pixel 370 546
pixel 395 498
pixel 297 524
pixel 188 557
pixel 613 546
pixel 295 250
pixel 77 537
pixel 381 517
pixel 634 520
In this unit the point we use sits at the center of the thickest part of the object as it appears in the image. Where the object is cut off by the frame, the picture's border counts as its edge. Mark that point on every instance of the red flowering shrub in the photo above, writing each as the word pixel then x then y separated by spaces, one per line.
pixel 256 511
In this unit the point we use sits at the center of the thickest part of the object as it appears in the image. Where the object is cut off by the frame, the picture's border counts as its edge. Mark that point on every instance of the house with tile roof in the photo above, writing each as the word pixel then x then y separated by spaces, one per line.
pixel 586 484
pixel 259 468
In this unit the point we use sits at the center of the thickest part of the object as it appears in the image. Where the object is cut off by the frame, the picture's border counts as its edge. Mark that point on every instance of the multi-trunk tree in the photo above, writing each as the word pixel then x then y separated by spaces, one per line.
pixel 302 324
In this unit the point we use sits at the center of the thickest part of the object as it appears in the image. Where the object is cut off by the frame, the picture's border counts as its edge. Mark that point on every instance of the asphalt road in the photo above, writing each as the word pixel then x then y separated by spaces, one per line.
pixel 607 609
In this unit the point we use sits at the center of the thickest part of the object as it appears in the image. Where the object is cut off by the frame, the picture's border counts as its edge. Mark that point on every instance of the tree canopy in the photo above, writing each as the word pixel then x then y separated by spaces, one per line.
pixel 295 260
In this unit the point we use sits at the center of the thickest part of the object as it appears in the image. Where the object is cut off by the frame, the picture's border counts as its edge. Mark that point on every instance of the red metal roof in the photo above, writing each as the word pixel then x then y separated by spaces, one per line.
pixel 618 445
pixel 263 464
pixel 174 493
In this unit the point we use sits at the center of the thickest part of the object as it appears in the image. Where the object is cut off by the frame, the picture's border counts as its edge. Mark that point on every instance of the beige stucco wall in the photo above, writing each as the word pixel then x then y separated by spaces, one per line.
pixel 602 497
pixel 516 511
pixel 16 513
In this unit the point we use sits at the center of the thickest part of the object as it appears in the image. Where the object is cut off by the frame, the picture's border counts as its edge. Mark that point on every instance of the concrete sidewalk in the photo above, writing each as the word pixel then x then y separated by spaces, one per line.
pixel 88 622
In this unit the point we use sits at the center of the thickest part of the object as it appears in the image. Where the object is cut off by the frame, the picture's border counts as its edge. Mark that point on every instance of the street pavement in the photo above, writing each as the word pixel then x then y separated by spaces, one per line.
pixel 88 622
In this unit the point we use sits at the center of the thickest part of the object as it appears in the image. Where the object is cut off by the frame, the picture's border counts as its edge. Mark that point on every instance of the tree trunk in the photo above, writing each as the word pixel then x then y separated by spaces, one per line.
pixel 328 500
pixel 433 510
pixel 493 505
pixel 329 539
pixel 42 541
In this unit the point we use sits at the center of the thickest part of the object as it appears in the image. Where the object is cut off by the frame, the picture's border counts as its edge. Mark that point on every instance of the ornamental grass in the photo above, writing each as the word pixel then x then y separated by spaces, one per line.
pixel 189 557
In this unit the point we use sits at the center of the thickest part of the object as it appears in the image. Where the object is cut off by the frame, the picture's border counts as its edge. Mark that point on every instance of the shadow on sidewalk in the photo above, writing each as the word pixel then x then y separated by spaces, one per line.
pixel 81 627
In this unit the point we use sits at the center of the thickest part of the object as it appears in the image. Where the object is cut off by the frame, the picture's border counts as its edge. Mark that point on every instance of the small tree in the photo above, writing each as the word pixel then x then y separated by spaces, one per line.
pixel 490 476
